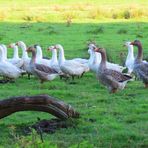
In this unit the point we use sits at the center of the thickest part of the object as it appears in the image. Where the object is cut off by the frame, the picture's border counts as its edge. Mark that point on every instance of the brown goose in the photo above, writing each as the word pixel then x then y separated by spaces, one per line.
pixel 140 67
pixel 43 72
pixel 112 79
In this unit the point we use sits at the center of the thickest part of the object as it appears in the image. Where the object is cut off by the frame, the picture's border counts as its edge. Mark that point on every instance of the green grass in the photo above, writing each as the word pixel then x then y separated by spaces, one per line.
pixel 120 119
pixel 107 120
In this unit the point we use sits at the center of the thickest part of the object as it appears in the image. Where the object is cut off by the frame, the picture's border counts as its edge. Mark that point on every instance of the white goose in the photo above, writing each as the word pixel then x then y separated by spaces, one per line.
pixel 7 69
pixel 70 67
pixel 54 61
pixel 129 63
pixel 18 62
pixel 80 60
pixel 39 57
pixel 97 59
pixel 25 57
pixel 94 59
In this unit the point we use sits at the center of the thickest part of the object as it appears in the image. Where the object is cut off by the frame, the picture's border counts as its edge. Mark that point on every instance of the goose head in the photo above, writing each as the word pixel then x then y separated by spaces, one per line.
pixel 100 50
pixel 51 48
pixel 91 46
pixel 136 43
pixel 12 45
pixel 21 44
pixel 127 44
pixel 58 46
pixel 31 49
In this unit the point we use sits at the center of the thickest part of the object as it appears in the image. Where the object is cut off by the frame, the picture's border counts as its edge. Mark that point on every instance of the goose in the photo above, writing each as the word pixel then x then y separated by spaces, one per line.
pixel 39 56
pixel 18 62
pixel 112 79
pixel 25 57
pixel 96 60
pixel 129 63
pixel 70 67
pixel 54 62
pixel 140 67
pixel 43 72
pixel 7 69
pixel 79 60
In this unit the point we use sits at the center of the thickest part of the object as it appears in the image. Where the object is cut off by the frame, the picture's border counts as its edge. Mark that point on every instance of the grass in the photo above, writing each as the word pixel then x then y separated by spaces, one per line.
pixel 107 120
pixel 119 120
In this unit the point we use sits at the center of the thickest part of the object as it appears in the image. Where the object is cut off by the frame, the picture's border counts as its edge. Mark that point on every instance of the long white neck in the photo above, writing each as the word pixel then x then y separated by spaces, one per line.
pixel 98 58
pixel 39 54
pixel 91 58
pixel 25 54
pixel 4 51
pixel 61 55
pixel 54 56
pixel 130 52
pixel 2 56
pixel 15 53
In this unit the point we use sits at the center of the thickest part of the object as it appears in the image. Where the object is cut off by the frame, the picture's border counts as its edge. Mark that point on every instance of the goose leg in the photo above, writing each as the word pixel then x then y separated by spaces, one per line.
pixel 29 76
pixel 146 85
pixel 73 77
pixel 82 75
pixel 114 90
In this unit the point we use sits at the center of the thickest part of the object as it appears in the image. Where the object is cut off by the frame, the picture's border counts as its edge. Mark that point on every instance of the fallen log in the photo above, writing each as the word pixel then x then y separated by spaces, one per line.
pixel 42 103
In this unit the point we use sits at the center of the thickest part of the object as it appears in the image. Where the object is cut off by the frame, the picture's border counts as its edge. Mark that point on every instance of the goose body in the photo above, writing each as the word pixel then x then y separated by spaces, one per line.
pixel 7 69
pixel 43 72
pixel 70 67
pixel 140 67
pixel 112 79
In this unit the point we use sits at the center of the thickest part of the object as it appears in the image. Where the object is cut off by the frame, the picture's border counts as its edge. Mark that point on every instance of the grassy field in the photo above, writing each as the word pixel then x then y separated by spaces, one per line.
pixel 107 120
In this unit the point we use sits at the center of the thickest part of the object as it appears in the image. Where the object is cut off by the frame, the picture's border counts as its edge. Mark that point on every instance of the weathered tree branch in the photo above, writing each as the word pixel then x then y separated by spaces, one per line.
pixel 42 103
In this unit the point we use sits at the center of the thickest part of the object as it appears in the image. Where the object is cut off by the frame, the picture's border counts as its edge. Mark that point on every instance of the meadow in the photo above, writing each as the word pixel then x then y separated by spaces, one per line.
pixel 107 120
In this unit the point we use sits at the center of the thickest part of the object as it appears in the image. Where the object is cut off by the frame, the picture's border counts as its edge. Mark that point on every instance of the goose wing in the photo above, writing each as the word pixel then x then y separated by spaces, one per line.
pixel 118 76
pixel 142 70
pixel 45 69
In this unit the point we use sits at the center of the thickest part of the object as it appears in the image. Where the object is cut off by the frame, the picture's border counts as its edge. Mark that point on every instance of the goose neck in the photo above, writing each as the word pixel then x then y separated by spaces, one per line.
pixel 15 54
pixel 103 60
pixel 61 55
pixel 140 53
pixel 39 53
pixel 130 52
pixel 25 54
pixel 54 56
pixel 33 58
pixel 2 57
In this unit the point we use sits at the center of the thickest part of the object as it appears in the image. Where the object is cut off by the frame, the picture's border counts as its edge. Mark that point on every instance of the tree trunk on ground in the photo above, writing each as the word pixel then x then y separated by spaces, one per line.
pixel 42 103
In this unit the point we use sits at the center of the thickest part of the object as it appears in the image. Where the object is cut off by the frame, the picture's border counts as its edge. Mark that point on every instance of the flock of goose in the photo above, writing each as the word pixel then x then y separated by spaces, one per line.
pixel 109 74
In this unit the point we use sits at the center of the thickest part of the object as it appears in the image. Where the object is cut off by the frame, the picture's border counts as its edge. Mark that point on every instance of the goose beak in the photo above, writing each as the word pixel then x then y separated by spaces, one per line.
pixel 96 49
pixel 8 46
pixel 48 49
pixel 132 43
